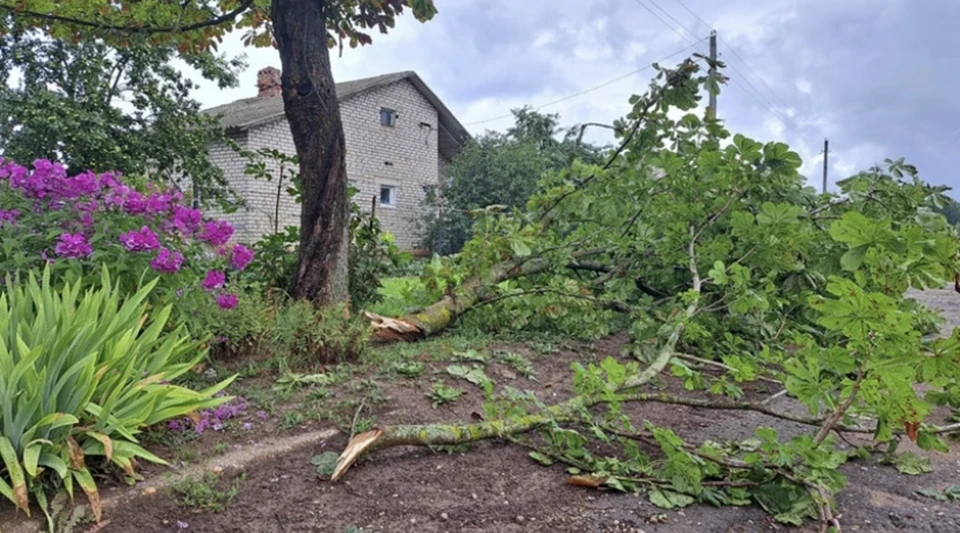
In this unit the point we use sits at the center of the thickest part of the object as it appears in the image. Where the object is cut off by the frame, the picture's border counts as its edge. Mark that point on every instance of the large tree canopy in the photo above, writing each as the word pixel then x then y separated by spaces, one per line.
pixel 303 31
pixel 92 106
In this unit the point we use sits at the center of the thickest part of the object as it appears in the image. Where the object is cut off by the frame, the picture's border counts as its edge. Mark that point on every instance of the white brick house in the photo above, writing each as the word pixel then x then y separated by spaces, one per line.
pixel 399 138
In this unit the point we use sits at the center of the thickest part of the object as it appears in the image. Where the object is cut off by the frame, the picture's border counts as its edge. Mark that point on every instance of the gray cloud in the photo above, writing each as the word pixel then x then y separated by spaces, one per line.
pixel 876 77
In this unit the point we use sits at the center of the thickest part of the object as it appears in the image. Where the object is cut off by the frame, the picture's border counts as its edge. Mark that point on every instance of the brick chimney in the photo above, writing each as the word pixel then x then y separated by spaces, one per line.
pixel 268 82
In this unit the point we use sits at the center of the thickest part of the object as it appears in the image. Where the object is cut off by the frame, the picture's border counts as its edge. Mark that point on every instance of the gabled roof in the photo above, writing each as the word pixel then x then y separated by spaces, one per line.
pixel 249 113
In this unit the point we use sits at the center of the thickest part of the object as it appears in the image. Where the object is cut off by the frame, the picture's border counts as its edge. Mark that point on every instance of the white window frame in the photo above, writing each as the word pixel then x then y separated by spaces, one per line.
pixel 393 195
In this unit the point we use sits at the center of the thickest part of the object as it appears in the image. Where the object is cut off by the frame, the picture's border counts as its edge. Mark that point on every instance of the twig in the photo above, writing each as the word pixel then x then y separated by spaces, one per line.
pixel 356 416
pixel 840 410
pixel 215 21
pixel 718 364
pixel 651 102
pixel 774 397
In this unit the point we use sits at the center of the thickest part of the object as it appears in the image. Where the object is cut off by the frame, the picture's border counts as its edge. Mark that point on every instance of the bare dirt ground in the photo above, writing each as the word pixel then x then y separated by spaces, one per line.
pixel 495 487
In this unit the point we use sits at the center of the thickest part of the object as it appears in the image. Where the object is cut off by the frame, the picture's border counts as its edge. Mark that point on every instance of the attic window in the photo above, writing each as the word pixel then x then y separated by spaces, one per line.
pixel 388 117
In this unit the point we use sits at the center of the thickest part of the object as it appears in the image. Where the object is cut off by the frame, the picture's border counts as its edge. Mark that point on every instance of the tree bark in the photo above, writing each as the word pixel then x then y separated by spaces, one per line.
pixel 441 314
pixel 313 112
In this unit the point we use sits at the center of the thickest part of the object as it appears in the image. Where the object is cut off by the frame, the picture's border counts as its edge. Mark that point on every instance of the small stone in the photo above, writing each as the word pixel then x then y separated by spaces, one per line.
pixel 413 520
pixel 473 495
pixel 444 516
pixel 519 518
pixel 150 490
pixel 395 496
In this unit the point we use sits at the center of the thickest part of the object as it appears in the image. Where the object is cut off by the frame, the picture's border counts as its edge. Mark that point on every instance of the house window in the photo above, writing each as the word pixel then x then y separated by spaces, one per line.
pixel 388 117
pixel 388 196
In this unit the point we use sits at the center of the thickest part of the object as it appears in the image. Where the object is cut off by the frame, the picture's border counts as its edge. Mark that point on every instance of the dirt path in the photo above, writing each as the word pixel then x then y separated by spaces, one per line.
pixel 495 487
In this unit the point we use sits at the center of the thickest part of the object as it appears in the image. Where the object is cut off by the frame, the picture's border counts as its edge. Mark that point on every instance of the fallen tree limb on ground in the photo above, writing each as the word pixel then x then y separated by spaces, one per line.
pixel 719 251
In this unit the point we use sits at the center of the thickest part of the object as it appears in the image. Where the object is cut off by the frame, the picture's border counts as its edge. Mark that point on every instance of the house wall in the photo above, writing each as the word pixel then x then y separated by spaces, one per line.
pixel 405 156
pixel 233 166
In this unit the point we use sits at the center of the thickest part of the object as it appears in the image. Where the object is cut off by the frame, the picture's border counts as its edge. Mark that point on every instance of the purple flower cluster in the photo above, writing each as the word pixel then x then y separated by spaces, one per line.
pixel 73 245
pixel 214 280
pixel 216 232
pixel 167 261
pixel 8 215
pixel 227 301
pixel 214 419
pixel 94 209
pixel 241 257
pixel 140 241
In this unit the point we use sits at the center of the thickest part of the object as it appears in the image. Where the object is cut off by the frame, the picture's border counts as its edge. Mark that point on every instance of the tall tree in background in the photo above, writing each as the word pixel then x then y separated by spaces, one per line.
pixel 501 169
pixel 303 31
pixel 92 106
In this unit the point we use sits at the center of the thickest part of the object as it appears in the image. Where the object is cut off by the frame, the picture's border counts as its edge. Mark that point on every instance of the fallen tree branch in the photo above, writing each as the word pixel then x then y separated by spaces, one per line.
pixel 432 435
pixel 441 314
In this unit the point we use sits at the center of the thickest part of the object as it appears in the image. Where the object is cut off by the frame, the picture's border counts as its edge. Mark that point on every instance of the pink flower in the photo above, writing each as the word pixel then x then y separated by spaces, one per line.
pixel 167 261
pixel 134 204
pixel 140 241
pixel 73 245
pixel 214 280
pixel 159 203
pixel 217 232
pixel 242 256
pixel 227 301
pixel 186 220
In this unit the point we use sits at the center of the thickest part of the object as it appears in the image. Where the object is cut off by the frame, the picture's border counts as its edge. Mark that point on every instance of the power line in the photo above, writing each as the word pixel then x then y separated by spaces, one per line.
pixel 737 55
pixel 665 23
pixel 694 14
pixel 769 105
pixel 786 122
pixel 754 72
pixel 688 30
pixel 591 89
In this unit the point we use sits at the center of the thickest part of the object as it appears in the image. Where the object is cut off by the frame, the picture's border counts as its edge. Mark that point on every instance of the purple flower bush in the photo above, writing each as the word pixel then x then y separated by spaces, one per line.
pixel 77 223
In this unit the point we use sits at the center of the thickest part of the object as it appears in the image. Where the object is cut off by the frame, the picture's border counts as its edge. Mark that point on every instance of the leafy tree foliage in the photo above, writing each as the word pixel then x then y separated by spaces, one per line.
pixel 950 210
pixel 91 106
pixel 500 169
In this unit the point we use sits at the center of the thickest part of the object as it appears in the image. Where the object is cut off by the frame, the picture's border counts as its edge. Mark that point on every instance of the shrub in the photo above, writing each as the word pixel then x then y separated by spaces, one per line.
pixel 237 332
pixel 75 223
pixel 327 335
pixel 79 377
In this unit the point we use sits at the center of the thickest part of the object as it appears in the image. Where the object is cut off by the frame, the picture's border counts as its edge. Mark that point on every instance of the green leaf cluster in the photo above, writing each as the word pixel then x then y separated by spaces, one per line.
pixel 81 372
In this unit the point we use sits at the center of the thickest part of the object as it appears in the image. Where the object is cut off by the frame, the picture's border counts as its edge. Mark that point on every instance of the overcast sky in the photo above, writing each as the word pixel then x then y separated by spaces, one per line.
pixel 879 78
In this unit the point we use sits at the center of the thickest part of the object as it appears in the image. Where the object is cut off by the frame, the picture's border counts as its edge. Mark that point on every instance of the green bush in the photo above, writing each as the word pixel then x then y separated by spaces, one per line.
pixel 325 336
pixel 239 331
pixel 80 375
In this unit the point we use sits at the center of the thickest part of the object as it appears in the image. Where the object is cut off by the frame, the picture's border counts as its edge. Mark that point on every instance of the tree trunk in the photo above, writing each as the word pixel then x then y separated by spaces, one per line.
pixel 313 112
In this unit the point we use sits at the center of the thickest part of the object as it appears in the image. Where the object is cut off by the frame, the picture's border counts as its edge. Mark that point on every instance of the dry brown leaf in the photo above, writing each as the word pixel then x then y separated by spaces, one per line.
pixel 76 454
pixel 912 429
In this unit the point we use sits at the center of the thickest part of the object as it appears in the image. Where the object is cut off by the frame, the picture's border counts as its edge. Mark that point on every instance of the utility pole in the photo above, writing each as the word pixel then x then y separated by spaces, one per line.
pixel 826 152
pixel 712 110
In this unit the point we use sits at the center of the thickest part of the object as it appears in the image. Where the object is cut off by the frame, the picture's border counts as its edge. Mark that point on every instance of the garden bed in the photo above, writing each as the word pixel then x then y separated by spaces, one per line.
pixel 264 480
